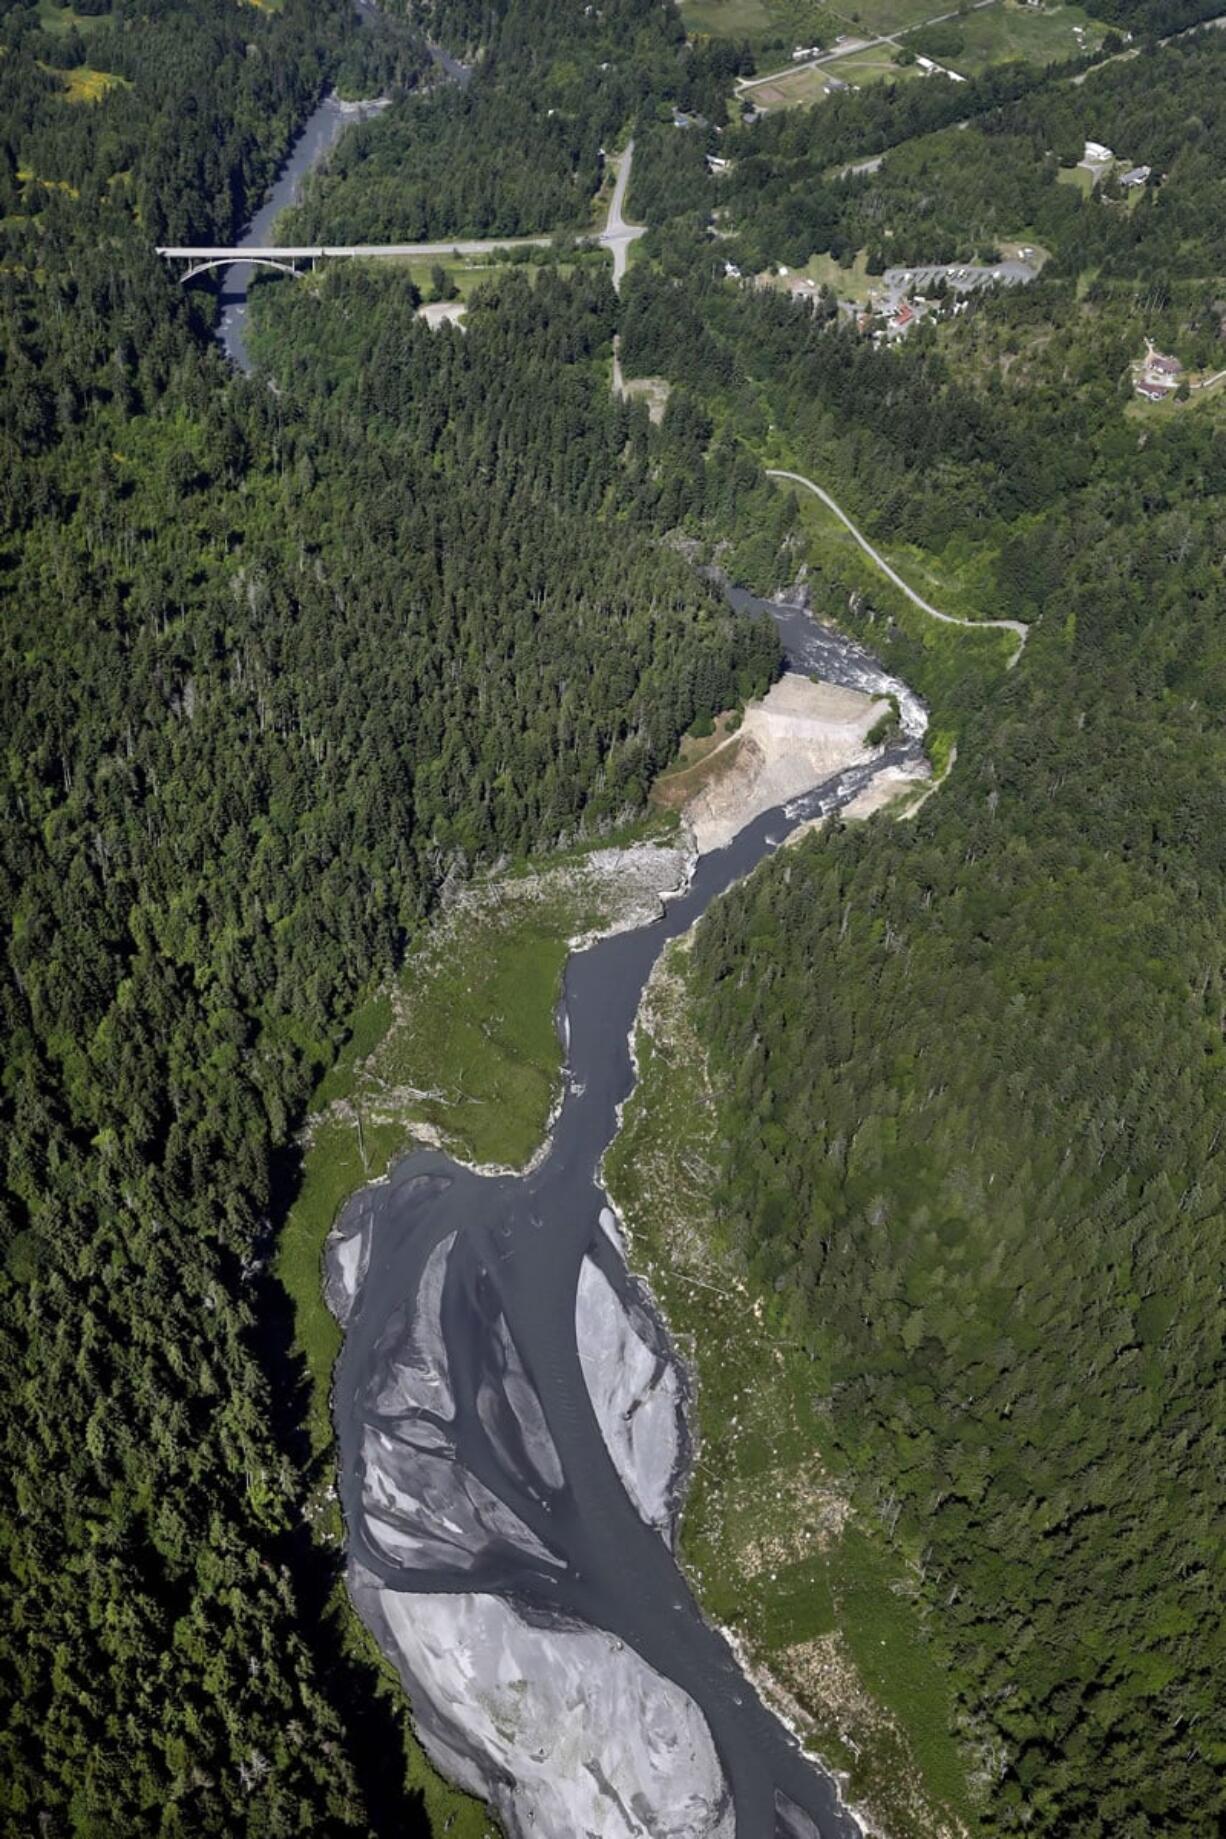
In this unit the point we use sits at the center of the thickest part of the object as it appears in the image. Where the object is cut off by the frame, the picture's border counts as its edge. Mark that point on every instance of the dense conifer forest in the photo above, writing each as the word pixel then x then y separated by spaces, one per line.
pixel 278 663
pixel 970 1067
pixel 271 673
pixel 520 148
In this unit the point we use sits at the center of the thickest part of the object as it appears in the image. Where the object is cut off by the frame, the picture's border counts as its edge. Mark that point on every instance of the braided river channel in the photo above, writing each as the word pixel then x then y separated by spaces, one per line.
pixel 510 1527
pixel 511 1417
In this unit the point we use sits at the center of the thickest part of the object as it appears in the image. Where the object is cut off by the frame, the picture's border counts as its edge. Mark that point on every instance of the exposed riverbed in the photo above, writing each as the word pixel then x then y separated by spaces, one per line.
pixel 513 1441
pixel 510 1411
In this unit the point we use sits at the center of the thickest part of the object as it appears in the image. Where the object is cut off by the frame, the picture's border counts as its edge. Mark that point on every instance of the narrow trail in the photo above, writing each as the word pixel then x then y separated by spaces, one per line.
pixel 1015 626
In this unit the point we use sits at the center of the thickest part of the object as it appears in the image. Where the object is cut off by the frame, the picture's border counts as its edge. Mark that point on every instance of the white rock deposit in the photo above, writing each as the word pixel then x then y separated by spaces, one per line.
pixel 421 1507
pixel 798 735
pixel 636 1394
pixel 345 1265
pixel 418 1377
pixel 566 1731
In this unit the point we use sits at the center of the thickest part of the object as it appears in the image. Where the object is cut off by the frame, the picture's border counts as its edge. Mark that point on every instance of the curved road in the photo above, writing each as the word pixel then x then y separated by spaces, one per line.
pixel 1015 626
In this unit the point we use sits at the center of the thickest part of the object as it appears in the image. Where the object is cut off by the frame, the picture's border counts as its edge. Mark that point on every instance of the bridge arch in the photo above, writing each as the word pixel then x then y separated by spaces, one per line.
pixel 229 261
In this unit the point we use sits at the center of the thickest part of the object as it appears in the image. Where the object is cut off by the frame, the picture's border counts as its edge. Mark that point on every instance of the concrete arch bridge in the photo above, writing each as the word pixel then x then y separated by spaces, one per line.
pixel 289 258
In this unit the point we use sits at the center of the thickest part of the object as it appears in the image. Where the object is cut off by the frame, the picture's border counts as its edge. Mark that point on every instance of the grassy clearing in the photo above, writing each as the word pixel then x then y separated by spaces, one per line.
pixel 466 274
pixel 875 65
pixel 728 18
pixel 776 1548
pixel 876 18
pixel 671 789
pixel 1080 176
pixel 1034 35
pixel 850 283
pixel 785 24
pixel 86 85
pixel 772 27
pixel 61 19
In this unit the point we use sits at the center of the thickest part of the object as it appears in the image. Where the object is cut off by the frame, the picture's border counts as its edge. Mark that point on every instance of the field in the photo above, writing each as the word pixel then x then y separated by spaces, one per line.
pixel 797 88
pixel 787 23
pixel 874 65
pixel 780 23
pixel 61 19
pixel 876 18
pixel 992 33
pixel 996 34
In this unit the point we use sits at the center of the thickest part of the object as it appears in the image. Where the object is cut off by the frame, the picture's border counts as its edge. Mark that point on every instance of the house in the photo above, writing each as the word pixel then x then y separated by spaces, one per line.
pixel 1137 175
pixel 802 51
pixel 716 165
pixel 1096 154
pixel 732 271
pixel 834 84
pixel 1157 375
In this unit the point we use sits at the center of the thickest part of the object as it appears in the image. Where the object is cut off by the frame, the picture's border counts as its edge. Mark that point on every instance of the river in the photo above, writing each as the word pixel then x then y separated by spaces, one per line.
pixel 320 134
pixel 494 1545
pixel 473 1468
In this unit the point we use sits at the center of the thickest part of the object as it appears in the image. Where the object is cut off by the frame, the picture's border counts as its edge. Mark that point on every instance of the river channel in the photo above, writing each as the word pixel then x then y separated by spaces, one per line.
pixel 323 129
pixel 499 1544
pixel 473 1466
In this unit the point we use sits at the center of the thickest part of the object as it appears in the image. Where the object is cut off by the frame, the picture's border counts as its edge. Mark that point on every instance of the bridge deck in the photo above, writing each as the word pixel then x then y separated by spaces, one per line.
pixel 287 252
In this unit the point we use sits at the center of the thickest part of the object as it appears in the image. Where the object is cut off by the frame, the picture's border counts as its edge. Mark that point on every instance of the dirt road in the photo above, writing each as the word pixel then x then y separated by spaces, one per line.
pixel 949 619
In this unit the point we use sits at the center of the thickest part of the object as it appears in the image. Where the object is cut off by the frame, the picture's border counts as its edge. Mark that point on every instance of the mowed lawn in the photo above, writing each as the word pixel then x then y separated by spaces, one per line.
pixel 728 18
pixel 797 88
pixel 1011 31
pixel 875 18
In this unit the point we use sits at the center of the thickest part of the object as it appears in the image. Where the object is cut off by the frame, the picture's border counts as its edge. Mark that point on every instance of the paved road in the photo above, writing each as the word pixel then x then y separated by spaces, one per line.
pixel 617 234
pixel 947 619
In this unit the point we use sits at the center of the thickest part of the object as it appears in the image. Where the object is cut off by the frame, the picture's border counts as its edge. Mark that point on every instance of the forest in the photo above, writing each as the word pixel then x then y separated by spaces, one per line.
pixel 243 753
pixel 520 148
pixel 969 1069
